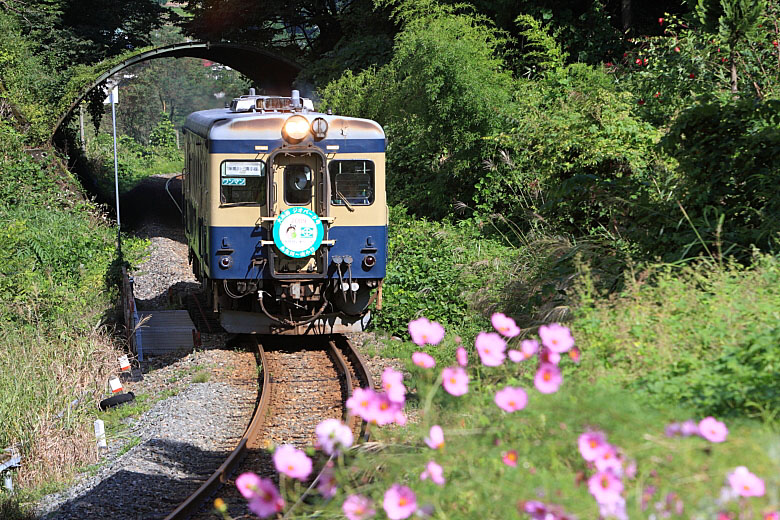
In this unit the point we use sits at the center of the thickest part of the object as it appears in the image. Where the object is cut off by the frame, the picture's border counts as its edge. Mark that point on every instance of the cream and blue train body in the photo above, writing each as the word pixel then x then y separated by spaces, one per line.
pixel 285 215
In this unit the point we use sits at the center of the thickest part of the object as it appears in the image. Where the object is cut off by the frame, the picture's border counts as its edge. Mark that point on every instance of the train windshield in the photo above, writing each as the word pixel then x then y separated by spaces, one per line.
pixel 351 182
pixel 297 184
pixel 242 182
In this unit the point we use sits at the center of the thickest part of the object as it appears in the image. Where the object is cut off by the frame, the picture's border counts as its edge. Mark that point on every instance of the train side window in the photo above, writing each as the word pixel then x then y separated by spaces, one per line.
pixel 297 184
pixel 351 181
pixel 242 182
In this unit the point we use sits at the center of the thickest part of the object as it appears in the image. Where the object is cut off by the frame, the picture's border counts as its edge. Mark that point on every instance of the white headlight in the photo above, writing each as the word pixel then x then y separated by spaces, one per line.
pixel 295 129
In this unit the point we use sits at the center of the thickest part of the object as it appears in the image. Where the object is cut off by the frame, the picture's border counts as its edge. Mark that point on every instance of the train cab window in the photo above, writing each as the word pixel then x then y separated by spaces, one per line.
pixel 351 182
pixel 242 182
pixel 297 184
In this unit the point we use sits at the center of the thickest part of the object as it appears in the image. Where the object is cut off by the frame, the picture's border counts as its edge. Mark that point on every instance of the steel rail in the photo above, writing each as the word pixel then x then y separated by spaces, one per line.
pixel 171 194
pixel 194 502
pixel 362 372
pixel 358 362
pixel 345 369
pixel 221 475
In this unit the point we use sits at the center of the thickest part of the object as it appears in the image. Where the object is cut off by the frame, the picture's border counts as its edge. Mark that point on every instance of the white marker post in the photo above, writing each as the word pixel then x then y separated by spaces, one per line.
pixel 100 434
pixel 115 384
pixel 124 363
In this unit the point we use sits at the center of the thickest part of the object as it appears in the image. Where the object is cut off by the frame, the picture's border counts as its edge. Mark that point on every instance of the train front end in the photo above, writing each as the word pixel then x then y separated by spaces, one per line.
pixel 286 215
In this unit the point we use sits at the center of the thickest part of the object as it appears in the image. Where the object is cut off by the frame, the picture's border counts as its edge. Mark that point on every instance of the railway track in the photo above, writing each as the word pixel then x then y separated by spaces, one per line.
pixel 302 381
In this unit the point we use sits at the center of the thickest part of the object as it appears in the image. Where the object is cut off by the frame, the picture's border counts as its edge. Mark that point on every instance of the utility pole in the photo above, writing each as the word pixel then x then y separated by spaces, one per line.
pixel 113 98
pixel 81 126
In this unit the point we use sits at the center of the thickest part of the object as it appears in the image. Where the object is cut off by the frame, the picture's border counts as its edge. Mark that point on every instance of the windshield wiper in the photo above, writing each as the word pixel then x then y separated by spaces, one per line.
pixel 344 200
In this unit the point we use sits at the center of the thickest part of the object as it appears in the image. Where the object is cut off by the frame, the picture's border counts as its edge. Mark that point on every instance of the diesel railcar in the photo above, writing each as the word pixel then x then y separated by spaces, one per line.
pixel 285 215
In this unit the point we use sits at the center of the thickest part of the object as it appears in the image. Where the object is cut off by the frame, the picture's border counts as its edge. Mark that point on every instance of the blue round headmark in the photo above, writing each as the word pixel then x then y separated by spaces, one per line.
pixel 298 232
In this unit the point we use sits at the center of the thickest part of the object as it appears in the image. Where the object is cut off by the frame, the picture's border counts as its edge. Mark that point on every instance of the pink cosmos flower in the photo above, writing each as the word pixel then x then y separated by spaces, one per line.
pixel 424 331
pixel 434 472
pixel 292 462
pixel 607 459
pixel 399 503
pixel 462 356
pixel 556 337
pixel 548 356
pixel 689 428
pixel 537 510
pixel 392 382
pixel 575 354
pixel 332 435
pixel 590 443
pixel 421 359
pixel 548 378
pixel 511 399
pixel 360 402
pixel 774 515
pixel 605 487
pixel 382 410
pixel 327 485
pixel 713 430
pixel 455 380
pixel 509 458
pixel 529 347
pixel 745 483
pixel 248 484
pixel 505 325
pixel 616 508
pixel 684 429
pixel 515 356
pixel 358 507
pixel 264 498
pixel 490 347
pixel 435 439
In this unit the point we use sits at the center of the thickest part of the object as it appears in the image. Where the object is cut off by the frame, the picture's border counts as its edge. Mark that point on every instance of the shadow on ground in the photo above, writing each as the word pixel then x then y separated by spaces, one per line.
pixel 152 486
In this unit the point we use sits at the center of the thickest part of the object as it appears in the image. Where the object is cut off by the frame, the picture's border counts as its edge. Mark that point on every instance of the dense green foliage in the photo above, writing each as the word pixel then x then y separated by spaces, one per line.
pixel 437 99
pixel 574 150
pixel 730 152
pixel 88 31
pixel 435 269
pixel 135 162
pixel 702 335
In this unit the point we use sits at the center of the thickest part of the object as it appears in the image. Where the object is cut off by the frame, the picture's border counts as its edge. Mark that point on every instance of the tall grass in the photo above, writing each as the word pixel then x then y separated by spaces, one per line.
pixel 56 267
pixel 703 334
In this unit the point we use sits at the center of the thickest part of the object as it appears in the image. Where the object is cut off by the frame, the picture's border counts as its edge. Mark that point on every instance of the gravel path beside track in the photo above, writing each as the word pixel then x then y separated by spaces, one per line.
pixel 180 441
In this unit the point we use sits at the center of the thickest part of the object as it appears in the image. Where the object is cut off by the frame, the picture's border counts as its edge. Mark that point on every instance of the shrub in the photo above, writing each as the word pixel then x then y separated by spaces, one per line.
pixel 163 135
pixel 434 269
pixel 728 152
pixel 574 160
pixel 668 73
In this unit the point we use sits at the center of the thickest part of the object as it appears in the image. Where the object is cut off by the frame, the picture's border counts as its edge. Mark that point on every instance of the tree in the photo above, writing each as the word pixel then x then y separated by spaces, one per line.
pixel 438 99
pixel 88 31
pixel 735 21
pixel 300 26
